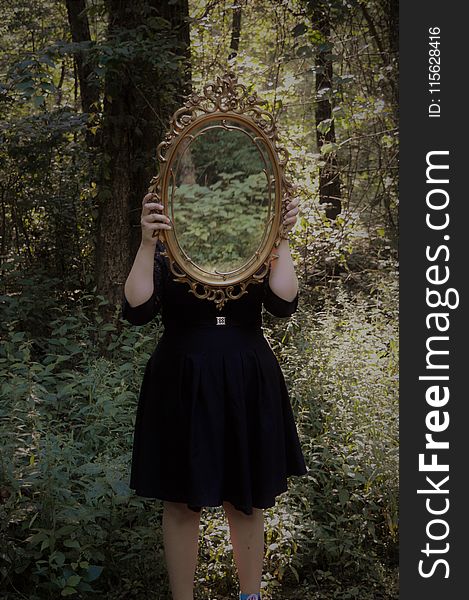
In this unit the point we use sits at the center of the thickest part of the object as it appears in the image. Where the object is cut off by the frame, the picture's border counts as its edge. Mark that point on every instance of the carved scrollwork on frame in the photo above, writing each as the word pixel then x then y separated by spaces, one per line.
pixel 222 184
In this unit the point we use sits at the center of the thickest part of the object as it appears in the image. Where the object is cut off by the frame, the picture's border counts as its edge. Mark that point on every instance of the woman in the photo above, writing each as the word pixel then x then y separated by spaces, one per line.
pixel 214 423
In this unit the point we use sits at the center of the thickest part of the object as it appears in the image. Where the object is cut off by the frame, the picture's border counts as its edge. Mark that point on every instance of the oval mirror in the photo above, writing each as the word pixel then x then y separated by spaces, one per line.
pixel 221 195
pixel 222 184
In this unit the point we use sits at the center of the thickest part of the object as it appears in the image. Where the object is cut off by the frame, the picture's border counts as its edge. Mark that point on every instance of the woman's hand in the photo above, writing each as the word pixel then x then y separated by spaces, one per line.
pixel 291 216
pixel 289 220
pixel 151 222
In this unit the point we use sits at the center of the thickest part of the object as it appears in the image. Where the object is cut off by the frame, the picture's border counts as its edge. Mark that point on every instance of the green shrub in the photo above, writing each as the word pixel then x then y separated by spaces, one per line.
pixel 341 366
pixel 71 526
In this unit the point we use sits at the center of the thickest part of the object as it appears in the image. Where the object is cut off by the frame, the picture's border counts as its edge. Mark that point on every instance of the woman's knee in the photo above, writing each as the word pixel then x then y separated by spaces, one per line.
pixel 180 511
pixel 231 510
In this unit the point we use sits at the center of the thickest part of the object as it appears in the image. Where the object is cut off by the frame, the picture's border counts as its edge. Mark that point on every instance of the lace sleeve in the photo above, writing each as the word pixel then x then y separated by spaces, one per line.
pixel 274 304
pixel 145 312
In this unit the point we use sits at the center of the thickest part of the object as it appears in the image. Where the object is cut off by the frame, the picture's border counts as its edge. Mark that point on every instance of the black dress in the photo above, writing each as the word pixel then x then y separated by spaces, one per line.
pixel 214 420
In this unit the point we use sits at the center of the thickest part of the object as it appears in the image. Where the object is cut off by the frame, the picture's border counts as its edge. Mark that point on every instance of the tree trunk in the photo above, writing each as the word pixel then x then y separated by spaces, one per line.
pixel 393 29
pixel 235 32
pixel 89 88
pixel 389 53
pixel 177 14
pixel 139 100
pixel 329 177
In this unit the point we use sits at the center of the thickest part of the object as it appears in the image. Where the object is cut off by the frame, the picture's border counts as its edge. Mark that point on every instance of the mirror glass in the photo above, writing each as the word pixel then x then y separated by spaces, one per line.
pixel 221 194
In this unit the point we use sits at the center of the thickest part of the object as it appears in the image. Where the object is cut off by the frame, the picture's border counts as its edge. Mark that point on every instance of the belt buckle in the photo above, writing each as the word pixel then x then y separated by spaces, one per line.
pixel 221 321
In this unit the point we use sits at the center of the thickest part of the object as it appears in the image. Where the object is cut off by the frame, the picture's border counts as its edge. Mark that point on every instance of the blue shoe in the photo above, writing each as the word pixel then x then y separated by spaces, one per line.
pixel 250 596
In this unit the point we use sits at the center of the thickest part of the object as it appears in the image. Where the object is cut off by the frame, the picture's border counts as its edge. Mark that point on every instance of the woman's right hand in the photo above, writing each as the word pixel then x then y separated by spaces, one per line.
pixel 152 221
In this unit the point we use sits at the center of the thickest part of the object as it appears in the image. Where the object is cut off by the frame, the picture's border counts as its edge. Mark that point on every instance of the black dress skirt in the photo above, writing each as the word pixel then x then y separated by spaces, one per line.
pixel 214 420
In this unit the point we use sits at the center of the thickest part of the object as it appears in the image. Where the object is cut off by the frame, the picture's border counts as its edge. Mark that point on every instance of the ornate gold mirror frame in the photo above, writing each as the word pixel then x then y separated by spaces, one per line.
pixel 223 99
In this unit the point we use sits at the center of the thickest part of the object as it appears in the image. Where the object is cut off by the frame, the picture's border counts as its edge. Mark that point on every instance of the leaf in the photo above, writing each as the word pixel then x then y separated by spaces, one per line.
pixel 73 580
pixel 38 101
pixel 304 52
pixel 338 111
pixel 46 60
pixel 324 126
pixel 299 29
pixel 36 538
pixel 45 544
pixel 273 546
pixel 92 573
pixel 343 496
pixel 295 573
pixel 329 148
pixel 24 86
pixel 58 558
pixel 45 85
pixel 120 487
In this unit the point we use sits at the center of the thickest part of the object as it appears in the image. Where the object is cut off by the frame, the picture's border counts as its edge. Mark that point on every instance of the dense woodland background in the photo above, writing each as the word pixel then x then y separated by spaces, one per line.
pixel 86 91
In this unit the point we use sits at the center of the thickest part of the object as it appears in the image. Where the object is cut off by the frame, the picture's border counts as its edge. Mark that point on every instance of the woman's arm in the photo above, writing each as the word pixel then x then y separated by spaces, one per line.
pixel 283 280
pixel 142 290
pixel 139 285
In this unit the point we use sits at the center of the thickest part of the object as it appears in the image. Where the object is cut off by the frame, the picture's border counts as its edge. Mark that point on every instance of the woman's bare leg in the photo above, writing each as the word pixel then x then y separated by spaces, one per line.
pixel 181 541
pixel 247 539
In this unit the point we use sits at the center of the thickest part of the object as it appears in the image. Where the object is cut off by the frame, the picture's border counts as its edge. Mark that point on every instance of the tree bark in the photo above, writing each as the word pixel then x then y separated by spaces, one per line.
pixel 390 52
pixel 235 32
pixel 139 99
pixel 177 14
pixel 329 177
pixel 393 29
pixel 89 88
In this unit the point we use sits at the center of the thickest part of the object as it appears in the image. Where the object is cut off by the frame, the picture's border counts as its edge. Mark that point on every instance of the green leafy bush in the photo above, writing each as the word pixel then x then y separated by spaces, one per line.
pixel 341 363
pixel 221 226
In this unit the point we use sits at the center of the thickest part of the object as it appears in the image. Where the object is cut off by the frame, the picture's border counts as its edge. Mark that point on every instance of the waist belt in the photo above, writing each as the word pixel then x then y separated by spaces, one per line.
pixel 218 322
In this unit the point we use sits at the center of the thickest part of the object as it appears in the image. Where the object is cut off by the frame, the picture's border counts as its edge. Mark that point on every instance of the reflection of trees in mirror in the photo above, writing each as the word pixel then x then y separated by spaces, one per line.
pixel 221 226
pixel 219 150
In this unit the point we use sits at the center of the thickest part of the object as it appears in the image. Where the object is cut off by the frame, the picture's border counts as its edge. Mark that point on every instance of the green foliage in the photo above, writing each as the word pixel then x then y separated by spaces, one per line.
pixel 69 521
pixel 70 524
pixel 341 363
pixel 225 151
pixel 225 229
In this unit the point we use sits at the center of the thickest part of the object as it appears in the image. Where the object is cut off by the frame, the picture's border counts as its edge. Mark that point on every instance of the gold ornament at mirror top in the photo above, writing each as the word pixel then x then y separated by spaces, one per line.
pixel 224 105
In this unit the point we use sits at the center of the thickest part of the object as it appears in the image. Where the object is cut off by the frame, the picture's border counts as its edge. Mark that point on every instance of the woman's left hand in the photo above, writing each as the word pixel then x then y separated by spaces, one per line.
pixel 292 215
